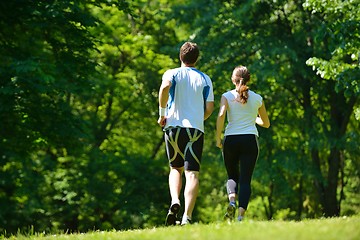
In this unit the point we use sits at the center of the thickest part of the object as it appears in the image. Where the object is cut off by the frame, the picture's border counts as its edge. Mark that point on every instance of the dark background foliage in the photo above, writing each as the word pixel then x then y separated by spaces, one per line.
pixel 80 148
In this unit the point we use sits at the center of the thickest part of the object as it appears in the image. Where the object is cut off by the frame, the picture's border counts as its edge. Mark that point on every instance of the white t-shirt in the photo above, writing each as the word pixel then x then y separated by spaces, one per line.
pixel 189 91
pixel 241 117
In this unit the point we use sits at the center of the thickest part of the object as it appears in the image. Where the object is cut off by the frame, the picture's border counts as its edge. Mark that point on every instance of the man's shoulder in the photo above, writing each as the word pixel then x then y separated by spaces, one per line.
pixel 171 70
pixel 204 74
pixel 168 74
pixel 207 76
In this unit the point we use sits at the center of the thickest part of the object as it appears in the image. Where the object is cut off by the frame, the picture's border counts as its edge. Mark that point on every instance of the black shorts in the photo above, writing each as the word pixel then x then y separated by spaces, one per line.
pixel 184 147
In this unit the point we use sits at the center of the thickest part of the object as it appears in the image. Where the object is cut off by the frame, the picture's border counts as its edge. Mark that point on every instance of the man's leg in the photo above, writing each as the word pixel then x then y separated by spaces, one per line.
pixel 175 184
pixel 190 193
pixel 174 148
pixel 193 154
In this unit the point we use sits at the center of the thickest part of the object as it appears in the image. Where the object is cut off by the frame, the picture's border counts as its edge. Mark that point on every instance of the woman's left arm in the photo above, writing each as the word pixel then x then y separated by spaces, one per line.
pixel 263 119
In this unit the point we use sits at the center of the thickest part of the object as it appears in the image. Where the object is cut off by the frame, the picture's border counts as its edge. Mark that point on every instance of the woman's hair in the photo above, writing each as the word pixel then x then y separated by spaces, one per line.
pixel 189 53
pixel 241 76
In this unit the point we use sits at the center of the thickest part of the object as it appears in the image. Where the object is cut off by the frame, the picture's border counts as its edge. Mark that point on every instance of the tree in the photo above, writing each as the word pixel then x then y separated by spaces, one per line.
pixel 45 68
pixel 339 68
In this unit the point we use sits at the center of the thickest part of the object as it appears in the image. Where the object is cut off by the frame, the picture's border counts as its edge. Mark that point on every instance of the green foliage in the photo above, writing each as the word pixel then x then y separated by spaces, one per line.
pixel 341 33
pixel 80 148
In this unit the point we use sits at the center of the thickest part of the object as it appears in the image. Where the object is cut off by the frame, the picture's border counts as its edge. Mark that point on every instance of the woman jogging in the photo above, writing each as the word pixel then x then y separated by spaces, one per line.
pixel 244 108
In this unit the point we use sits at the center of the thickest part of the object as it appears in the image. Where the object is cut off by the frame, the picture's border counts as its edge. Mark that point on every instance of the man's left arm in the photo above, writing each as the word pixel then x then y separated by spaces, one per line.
pixel 208 110
pixel 209 101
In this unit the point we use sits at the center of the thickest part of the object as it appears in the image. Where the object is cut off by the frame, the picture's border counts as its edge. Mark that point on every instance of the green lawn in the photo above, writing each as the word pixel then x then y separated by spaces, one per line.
pixel 327 229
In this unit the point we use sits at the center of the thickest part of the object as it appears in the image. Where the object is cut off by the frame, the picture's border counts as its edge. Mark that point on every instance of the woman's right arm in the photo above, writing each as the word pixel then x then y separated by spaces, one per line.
pixel 220 121
pixel 263 118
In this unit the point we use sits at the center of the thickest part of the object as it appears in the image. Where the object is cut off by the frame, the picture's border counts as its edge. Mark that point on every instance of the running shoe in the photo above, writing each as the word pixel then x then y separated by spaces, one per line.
pixel 185 221
pixel 230 212
pixel 171 217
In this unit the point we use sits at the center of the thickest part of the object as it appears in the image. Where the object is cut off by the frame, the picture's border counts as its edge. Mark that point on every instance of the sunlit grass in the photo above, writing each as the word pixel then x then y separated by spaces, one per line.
pixel 330 228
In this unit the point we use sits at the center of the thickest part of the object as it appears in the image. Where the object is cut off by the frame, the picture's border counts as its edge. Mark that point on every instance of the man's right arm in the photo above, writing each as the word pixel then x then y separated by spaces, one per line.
pixel 164 93
pixel 163 98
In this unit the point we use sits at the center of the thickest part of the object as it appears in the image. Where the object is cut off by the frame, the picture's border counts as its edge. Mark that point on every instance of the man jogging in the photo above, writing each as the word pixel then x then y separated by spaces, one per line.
pixel 186 99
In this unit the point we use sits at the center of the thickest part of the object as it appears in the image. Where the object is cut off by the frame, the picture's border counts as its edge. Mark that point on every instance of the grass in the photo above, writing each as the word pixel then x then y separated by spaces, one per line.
pixel 330 228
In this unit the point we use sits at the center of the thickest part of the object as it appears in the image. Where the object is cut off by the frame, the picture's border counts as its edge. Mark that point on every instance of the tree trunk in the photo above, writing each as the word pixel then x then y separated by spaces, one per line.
pixel 300 199
pixel 341 110
pixel 331 204
pixel 270 211
pixel 318 180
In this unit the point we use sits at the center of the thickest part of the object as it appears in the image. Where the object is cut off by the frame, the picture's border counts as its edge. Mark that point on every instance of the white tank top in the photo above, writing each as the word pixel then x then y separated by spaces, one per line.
pixel 241 117
pixel 189 91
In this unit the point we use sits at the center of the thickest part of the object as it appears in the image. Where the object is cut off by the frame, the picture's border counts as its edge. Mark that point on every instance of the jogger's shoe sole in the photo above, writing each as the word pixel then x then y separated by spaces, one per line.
pixel 171 217
pixel 230 213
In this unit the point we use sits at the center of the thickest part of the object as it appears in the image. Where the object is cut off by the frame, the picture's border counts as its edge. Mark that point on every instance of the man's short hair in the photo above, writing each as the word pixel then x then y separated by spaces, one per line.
pixel 189 53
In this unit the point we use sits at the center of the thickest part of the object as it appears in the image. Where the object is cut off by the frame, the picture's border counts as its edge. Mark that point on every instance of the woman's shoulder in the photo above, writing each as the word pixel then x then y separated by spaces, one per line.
pixel 255 97
pixel 254 93
pixel 230 93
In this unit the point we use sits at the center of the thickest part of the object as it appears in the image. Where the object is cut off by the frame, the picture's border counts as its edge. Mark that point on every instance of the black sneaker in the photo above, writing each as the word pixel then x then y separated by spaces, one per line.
pixel 230 212
pixel 171 217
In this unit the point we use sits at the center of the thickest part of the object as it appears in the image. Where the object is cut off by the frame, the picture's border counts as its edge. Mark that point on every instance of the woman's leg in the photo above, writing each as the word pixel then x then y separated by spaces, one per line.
pixel 247 165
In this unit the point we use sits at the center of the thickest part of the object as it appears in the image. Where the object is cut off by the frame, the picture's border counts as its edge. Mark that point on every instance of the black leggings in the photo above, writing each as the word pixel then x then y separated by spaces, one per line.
pixel 240 153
